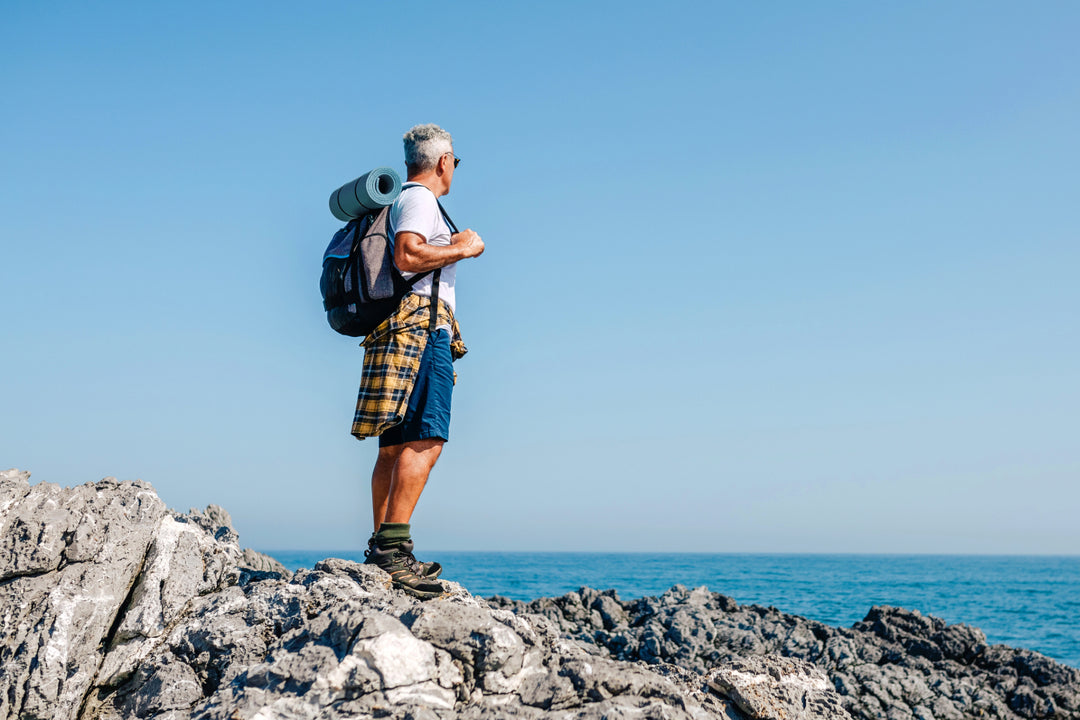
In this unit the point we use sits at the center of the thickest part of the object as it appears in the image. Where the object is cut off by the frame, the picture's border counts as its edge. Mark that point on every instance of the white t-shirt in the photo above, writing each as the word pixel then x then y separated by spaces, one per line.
pixel 417 211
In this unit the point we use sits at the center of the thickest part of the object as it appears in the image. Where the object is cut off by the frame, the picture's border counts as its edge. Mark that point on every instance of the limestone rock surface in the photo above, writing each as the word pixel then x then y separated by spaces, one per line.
pixel 113 606
pixel 767 686
pixel 69 559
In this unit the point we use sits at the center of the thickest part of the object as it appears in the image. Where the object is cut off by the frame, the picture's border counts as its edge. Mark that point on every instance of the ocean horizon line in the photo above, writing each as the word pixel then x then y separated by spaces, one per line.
pixel 739 553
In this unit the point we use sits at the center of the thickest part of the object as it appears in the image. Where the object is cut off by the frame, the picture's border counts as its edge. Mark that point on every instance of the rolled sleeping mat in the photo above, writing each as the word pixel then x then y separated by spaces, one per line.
pixel 371 191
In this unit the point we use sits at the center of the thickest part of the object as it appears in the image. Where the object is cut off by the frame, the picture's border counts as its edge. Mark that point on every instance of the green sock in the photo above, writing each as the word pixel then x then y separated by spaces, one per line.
pixel 391 535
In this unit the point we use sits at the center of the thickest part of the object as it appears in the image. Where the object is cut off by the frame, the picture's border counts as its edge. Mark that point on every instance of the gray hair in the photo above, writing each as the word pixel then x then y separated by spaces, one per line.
pixel 424 145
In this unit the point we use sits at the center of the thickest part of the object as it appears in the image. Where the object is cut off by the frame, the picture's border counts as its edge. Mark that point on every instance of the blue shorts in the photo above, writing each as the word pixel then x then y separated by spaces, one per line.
pixel 428 414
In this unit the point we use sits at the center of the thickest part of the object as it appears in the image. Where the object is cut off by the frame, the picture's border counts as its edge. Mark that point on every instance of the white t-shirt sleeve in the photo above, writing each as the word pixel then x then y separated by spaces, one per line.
pixel 416 212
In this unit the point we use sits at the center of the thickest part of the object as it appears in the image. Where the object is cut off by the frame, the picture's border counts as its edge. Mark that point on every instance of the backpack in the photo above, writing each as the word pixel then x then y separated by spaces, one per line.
pixel 360 284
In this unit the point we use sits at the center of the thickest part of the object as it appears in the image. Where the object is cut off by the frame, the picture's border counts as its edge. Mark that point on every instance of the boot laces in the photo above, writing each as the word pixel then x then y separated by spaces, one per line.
pixel 410 561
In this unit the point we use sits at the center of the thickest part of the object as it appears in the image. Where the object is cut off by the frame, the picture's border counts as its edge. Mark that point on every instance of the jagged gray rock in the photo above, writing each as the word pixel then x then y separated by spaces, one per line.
pixel 90 577
pixel 769 686
pixel 68 561
pixel 112 606
pixel 896 664
pixel 115 607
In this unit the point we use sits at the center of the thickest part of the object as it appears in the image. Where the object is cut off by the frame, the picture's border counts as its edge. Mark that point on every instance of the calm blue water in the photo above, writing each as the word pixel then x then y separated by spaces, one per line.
pixel 1023 601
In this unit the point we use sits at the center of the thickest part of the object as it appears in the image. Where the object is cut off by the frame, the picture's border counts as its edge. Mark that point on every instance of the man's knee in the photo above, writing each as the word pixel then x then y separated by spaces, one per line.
pixel 421 453
pixel 389 455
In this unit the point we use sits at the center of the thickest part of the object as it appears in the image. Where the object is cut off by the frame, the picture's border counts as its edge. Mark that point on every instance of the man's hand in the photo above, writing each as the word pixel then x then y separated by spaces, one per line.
pixel 468 242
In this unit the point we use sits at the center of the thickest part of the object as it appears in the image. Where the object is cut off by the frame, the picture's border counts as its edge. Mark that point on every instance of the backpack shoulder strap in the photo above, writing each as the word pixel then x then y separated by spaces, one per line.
pixel 433 318
pixel 453 227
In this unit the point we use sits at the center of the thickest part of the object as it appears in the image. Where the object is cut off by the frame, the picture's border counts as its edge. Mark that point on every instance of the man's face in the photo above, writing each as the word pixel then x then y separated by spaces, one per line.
pixel 449 162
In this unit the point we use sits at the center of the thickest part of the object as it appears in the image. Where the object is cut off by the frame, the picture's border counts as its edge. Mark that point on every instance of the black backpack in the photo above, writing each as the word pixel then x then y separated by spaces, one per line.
pixel 360 284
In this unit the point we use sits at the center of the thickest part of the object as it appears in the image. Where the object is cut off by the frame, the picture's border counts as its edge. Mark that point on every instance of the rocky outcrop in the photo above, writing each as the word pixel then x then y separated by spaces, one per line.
pixel 895 664
pixel 92 578
pixel 113 606
pixel 69 560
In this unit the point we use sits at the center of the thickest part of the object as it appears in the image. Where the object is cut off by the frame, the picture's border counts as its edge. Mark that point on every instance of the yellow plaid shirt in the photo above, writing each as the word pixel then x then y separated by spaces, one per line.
pixel 392 354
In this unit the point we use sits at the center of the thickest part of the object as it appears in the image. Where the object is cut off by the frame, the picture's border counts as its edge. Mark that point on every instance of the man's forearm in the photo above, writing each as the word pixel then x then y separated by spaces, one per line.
pixel 413 254
pixel 428 257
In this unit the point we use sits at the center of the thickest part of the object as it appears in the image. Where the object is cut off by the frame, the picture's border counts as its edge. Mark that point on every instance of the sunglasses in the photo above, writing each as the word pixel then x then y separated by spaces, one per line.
pixel 457 160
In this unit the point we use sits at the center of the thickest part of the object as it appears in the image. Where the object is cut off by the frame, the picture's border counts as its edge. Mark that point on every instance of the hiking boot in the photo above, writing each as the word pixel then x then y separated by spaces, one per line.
pixel 430 570
pixel 396 562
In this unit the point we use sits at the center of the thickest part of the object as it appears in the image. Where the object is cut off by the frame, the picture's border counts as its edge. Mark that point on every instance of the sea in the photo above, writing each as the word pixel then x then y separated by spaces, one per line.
pixel 1029 602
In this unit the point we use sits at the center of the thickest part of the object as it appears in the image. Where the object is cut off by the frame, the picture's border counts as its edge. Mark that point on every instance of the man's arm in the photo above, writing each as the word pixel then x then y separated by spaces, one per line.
pixel 413 254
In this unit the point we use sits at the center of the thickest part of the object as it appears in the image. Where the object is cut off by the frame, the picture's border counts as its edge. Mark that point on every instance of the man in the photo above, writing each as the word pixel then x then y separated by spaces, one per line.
pixel 408 376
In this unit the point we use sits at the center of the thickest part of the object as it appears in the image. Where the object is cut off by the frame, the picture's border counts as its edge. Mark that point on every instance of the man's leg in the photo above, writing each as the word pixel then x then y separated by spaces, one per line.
pixel 381 479
pixel 410 473
pixel 401 472
pixel 391 546
pixel 419 460
pixel 409 451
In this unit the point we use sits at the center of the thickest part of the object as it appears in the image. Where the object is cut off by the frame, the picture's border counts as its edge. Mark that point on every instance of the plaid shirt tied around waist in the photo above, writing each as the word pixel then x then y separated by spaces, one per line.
pixel 391 360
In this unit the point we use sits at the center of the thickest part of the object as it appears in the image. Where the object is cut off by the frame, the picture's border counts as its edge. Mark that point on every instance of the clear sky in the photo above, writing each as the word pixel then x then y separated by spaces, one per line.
pixel 772 276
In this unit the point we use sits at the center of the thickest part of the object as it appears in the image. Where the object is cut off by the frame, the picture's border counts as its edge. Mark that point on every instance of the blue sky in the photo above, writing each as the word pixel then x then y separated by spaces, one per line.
pixel 759 276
